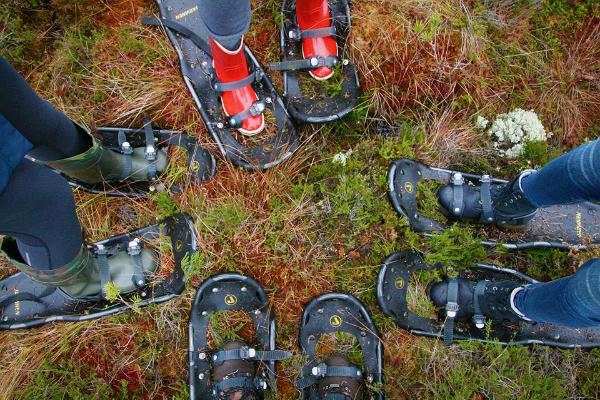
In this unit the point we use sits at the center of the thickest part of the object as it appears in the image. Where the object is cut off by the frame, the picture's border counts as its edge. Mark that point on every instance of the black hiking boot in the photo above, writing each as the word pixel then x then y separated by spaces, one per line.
pixel 477 300
pixel 505 205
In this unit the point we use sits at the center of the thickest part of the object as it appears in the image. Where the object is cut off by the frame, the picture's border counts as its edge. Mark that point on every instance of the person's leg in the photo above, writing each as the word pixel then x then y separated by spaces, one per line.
pixel 226 20
pixel 571 178
pixel 36 119
pixel 37 209
pixel 572 301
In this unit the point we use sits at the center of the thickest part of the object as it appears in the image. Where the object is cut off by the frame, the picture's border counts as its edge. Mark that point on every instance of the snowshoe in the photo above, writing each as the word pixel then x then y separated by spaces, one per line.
pixel 314 47
pixel 208 86
pixel 237 367
pixel 26 302
pixel 88 171
pixel 398 272
pixel 332 313
pixel 562 226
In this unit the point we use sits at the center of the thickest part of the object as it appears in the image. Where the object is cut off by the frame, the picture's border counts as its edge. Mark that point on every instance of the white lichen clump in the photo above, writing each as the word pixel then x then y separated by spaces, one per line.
pixel 514 130
pixel 341 157
pixel 482 123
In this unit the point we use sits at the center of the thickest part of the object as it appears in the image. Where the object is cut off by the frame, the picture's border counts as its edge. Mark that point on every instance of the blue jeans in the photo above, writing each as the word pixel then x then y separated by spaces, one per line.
pixel 572 301
pixel 570 178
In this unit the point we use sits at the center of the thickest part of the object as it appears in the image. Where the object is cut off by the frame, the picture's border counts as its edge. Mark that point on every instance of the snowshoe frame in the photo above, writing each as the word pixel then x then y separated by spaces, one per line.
pixel 227 292
pixel 198 75
pixel 340 312
pixel 320 109
pixel 392 287
pixel 403 179
pixel 179 228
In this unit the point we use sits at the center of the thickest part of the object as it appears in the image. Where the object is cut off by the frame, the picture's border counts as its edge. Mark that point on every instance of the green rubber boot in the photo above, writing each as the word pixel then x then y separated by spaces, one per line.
pixel 87 274
pixel 98 164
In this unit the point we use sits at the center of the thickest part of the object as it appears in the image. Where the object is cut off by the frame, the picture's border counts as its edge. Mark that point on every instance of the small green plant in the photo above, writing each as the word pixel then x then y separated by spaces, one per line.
pixel 455 248
pixel 112 291
pixel 165 206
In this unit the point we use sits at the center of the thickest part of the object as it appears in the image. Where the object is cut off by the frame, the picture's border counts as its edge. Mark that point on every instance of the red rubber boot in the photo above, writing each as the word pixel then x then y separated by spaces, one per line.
pixel 315 14
pixel 231 66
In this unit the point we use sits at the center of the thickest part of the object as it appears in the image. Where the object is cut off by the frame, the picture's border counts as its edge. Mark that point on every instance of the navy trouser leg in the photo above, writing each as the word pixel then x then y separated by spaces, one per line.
pixel 37 208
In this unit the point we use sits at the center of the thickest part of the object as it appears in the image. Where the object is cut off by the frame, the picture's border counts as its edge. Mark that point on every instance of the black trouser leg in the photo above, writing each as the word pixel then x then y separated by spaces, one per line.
pixel 226 20
pixel 37 208
pixel 49 130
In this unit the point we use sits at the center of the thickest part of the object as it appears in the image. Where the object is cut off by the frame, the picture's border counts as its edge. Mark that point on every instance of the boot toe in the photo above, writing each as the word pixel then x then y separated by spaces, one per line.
pixel 253 125
pixel 438 293
pixel 322 73
pixel 445 197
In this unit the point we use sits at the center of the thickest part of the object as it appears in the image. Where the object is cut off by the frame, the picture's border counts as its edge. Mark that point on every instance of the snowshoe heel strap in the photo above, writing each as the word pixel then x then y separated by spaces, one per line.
pixel 257 108
pixel 127 151
pixel 478 317
pixel 296 34
pixel 487 216
pixel 134 249
pixel 249 354
pixel 179 29
pixel 150 151
pixel 305 64
pixel 451 310
pixel 323 370
pixel 457 194
pixel 102 256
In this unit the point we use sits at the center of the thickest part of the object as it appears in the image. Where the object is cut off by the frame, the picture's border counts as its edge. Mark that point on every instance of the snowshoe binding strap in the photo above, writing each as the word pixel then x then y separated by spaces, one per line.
pixel 255 109
pixel 54 304
pixel 334 313
pixel 134 249
pixel 249 354
pixel 400 268
pixel 150 151
pixel 457 193
pixel 231 292
pixel 305 64
pixel 323 370
pixel 189 36
pixel 451 310
pixel 250 384
pixel 127 151
pixel 296 34
pixel 478 317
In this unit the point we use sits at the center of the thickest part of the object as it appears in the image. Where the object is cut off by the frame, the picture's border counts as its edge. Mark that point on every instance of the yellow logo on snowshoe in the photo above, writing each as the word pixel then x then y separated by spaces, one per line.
pixel 399 283
pixel 187 12
pixel 335 321
pixel 230 300
pixel 409 187
pixel 17 304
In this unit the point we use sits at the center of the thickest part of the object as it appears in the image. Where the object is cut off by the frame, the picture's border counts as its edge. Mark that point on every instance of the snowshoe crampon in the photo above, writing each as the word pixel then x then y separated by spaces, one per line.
pixel 337 313
pixel 25 303
pixel 201 165
pixel 183 25
pixel 398 273
pixel 344 85
pixel 231 292
pixel 562 226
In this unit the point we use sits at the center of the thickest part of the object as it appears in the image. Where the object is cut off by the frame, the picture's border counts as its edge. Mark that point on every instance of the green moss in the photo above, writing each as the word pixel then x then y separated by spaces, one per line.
pixel 456 248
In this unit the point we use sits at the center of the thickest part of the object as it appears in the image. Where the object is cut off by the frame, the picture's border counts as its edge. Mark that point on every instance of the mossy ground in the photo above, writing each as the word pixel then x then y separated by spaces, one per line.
pixel 428 68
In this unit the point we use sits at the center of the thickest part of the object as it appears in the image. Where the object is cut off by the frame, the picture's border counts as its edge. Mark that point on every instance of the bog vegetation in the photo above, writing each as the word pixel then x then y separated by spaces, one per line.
pixel 429 69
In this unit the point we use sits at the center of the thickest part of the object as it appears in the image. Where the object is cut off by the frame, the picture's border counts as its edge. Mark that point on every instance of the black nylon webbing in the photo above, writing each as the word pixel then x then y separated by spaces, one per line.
pixel 179 28
pixel 487 216
pixel 451 310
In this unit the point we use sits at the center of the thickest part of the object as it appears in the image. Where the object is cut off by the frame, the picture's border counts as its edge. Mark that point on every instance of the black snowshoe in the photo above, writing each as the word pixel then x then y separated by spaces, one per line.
pixel 26 303
pixel 184 28
pixel 320 108
pixel 398 272
pixel 201 164
pixel 562 226
pixel 238 367
pixel 336 377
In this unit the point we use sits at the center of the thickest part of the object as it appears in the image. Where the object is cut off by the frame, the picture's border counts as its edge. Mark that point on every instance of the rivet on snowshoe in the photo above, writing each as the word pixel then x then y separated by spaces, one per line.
pixel 200 376
pixel 220 125
pixel 268 100
pixel 314 62
pixel 143 294
pixel 202 356
pixel 256 312
pixel 215 290
pixel 204 313
pixel 243 289
pixel 346 61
